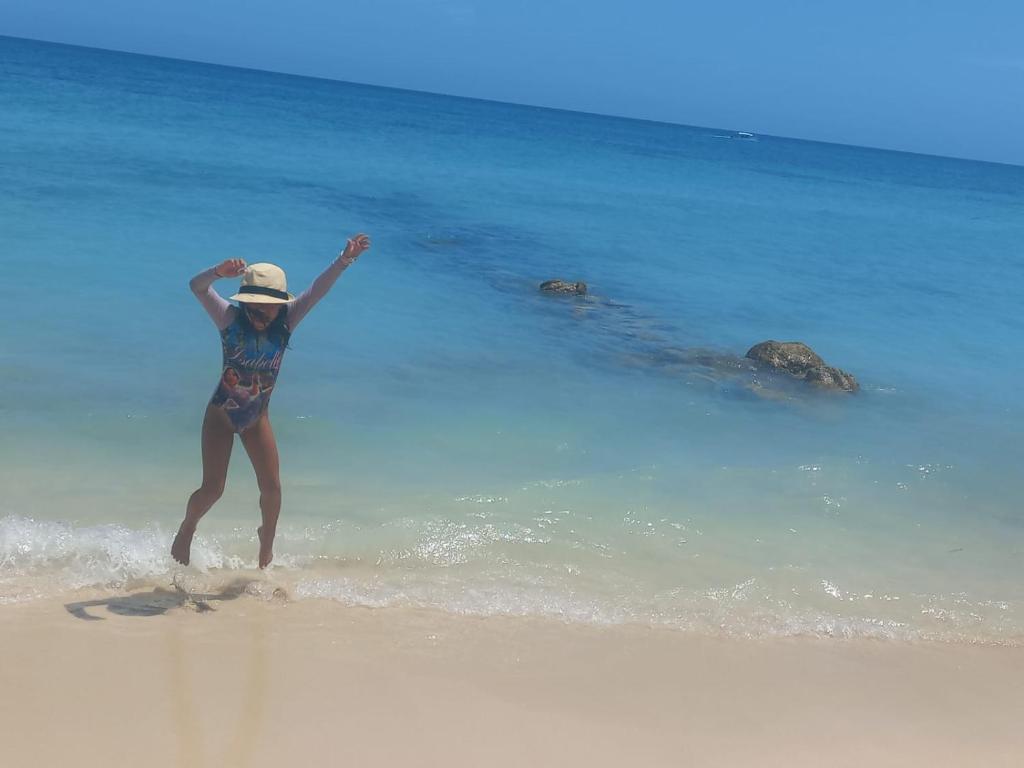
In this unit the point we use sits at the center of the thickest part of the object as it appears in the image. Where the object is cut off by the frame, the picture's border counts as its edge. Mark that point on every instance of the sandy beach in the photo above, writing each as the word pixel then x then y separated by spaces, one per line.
pixel 241 680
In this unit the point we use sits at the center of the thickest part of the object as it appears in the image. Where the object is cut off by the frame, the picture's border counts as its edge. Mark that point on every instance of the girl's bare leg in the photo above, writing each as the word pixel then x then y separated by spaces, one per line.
pixel 217 439
pixel 261 446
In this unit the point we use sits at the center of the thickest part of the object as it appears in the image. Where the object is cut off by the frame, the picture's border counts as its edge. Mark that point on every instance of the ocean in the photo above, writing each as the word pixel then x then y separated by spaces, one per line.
pixel 454 439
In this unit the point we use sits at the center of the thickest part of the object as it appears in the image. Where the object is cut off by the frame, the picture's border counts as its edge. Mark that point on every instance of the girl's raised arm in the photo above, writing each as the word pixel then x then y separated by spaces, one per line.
pixel 216 306
pixel 299 308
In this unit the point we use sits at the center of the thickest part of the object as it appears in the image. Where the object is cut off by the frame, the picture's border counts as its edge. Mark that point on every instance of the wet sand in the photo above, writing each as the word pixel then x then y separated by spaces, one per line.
pixel 257 682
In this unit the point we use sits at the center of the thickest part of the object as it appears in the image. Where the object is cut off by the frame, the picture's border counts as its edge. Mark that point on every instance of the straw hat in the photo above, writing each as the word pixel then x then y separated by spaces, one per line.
pixel 263 284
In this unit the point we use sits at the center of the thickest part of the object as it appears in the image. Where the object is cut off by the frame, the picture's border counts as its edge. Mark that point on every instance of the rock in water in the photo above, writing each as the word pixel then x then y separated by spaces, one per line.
pixel 561 286
pixel 801 362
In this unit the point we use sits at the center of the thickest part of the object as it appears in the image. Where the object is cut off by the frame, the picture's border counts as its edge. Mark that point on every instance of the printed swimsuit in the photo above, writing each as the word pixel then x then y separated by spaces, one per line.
pixel 252 359
pixel 251 362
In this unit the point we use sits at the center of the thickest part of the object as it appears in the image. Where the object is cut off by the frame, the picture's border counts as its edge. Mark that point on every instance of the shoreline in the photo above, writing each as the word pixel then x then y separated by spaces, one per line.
pixel 150 679
pixel 716 613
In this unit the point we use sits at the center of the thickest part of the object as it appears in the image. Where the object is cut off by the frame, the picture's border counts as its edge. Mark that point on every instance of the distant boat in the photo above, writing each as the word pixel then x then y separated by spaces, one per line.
pixel 745 135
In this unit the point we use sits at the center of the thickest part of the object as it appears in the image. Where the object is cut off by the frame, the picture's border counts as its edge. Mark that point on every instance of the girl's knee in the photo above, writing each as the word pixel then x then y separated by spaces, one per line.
pixel 212 490
pixel 269 483
pixel 270 486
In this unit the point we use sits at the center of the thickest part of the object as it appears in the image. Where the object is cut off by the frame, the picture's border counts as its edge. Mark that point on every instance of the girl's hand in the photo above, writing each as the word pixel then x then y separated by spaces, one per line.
pixel 354 247
pixel 230 268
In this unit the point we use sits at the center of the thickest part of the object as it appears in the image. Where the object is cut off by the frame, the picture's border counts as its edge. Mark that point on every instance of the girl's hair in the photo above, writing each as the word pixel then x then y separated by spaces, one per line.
pixel 278 331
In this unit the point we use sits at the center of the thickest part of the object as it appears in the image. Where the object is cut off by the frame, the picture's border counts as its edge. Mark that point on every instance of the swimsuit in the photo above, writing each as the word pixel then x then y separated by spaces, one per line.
pixel 254 356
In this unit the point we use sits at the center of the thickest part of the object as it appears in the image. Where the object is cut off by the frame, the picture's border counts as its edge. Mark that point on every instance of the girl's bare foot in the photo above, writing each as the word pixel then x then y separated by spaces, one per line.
pixel 181 549
pixel 266 546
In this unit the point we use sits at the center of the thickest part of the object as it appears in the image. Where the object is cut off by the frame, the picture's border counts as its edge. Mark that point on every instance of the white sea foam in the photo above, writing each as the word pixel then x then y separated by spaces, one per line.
pixel 109 555
pixel 466 568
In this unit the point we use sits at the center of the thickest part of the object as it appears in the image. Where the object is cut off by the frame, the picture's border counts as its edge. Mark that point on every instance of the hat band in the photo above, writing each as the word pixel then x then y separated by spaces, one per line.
pixel 264 291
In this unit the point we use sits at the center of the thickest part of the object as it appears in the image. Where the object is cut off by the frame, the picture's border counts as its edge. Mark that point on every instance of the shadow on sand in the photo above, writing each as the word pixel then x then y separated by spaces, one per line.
pixel 158 601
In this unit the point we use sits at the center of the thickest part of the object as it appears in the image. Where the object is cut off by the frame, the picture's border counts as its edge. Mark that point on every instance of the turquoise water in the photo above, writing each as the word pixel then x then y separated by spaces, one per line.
pixel 452 438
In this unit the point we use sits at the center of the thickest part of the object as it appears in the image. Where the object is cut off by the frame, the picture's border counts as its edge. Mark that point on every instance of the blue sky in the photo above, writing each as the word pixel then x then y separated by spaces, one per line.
pixel 939 77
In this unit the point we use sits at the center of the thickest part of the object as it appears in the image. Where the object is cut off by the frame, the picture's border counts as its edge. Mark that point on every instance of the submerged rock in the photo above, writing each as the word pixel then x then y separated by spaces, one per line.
pixel 561 286
pixel 801 362
pixel 722 364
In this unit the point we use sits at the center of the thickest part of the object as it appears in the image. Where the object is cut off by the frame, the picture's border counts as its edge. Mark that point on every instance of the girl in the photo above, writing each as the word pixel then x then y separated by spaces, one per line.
pixel 254 336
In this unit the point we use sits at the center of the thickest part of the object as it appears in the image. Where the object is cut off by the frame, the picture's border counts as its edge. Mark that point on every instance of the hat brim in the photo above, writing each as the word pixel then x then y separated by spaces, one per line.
pixel 258 298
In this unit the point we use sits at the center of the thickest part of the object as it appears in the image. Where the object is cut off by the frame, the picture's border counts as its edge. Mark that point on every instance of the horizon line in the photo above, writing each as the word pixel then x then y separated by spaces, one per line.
pixel 505 103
